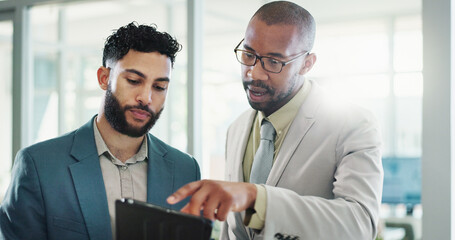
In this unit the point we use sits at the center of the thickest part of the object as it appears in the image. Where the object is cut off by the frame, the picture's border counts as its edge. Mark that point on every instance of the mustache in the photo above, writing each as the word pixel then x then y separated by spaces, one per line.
pixel 257 83
pixel 141 107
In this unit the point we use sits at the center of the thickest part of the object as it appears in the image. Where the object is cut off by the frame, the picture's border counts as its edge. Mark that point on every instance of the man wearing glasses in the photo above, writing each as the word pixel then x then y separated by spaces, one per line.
pixel 299 165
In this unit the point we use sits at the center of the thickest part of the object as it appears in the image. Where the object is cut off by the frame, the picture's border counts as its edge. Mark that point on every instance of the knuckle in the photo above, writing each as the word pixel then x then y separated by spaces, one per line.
pixel 228 198
pixel 207 214
pixel 221 217
pixel 177 195
pixel 188 186
pixel 195 199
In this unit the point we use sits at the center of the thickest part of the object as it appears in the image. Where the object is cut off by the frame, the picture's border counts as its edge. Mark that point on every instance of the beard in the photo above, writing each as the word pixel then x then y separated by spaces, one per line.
pixel 116 117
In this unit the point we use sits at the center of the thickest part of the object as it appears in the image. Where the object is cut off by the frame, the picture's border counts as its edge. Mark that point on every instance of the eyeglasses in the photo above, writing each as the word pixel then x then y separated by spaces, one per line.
pixel 269 64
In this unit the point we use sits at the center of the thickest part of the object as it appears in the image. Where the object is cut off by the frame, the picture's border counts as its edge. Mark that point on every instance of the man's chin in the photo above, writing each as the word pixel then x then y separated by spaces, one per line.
pixel 136 132
pixel 136 128
pixel 256 105
pixel 137 123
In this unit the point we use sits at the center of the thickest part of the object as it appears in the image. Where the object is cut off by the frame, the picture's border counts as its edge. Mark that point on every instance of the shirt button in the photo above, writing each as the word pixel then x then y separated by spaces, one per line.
pixel 124 168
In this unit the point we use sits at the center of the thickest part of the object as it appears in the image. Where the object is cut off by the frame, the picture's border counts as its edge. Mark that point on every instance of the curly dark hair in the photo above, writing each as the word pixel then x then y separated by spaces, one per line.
pixel 142 38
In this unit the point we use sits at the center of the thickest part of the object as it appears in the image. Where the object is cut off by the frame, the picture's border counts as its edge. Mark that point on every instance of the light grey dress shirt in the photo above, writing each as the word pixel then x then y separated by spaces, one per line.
pixel 122 180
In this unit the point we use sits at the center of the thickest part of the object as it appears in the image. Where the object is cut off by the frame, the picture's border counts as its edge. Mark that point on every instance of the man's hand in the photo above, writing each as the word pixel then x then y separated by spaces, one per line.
pixel 215 198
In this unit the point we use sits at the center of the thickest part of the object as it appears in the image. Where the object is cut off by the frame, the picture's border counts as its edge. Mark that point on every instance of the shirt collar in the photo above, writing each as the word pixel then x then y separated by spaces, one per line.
pixel 282 117
pixel 102 148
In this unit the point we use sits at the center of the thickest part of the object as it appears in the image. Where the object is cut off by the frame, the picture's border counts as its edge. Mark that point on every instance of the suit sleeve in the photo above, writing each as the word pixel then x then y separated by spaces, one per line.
pixel 352 213
pixel 22 211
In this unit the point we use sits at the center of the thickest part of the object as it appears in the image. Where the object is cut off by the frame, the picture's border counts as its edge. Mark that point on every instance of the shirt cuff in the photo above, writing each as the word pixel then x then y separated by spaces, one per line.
pixel 255 218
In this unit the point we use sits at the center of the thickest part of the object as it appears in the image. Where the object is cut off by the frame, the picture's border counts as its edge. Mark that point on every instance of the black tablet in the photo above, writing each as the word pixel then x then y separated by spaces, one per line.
pixel 144 221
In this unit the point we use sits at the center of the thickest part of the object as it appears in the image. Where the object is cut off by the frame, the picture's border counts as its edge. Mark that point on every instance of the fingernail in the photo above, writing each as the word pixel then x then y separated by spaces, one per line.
pixel 171 199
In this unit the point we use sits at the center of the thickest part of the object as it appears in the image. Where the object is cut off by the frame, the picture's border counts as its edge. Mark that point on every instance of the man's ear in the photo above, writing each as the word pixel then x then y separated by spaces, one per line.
pixel 310 60
pixel 103 77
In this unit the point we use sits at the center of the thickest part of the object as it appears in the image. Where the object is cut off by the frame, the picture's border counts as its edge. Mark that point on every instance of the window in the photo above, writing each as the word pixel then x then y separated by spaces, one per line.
pixel 377 63
pixel 222 90
pixel 6 89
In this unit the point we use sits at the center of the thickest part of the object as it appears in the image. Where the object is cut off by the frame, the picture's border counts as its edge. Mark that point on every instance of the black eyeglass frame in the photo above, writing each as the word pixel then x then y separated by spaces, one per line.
pixel 261 57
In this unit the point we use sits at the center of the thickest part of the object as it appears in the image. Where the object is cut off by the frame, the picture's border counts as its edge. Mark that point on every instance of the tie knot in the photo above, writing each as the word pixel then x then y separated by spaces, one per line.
pixel 267 131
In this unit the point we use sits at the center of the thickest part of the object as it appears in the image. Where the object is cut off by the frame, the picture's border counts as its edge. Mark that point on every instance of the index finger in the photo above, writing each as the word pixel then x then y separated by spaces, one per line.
pixel 183 192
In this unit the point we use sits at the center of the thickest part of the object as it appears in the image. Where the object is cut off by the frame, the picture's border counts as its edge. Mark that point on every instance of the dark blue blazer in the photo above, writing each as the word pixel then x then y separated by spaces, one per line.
pixel 57 188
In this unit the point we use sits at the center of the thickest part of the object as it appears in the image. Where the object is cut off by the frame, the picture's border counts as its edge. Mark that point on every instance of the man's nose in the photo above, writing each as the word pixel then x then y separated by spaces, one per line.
pixel 145 96
pixel 257 72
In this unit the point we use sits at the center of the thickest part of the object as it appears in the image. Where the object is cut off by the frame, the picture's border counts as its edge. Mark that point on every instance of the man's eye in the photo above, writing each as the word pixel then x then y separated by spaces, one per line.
pixel 272 61
pixel 160 88
pixel 132 81
pixel 248 55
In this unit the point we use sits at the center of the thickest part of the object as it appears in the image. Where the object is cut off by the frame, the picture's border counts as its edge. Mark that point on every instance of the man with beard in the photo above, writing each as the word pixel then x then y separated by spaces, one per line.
pixel 302 164
pixel 66 188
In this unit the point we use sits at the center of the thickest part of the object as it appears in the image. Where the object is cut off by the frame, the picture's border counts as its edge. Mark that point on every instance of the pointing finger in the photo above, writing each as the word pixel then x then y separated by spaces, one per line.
pixel 183 192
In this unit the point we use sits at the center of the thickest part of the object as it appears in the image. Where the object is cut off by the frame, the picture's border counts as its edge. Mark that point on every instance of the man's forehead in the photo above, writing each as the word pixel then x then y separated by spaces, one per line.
pixel 268 39
pixel 157 67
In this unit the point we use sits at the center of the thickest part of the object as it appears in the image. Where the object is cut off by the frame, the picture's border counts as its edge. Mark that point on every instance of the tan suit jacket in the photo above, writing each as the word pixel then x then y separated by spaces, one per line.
pixel 326 182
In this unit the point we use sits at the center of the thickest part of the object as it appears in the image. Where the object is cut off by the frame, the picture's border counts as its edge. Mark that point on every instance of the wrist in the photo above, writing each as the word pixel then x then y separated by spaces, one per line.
pixel 252 194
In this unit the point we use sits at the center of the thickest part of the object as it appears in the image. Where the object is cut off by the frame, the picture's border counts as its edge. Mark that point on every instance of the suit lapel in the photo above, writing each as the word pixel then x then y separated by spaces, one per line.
pixel 160 174
pixel 238 139
pixel 303 121
pixel 89 184
pixel 241 134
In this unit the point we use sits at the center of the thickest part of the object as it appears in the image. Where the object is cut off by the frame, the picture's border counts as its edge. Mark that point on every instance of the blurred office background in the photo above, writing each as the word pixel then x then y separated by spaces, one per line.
pixel 369 52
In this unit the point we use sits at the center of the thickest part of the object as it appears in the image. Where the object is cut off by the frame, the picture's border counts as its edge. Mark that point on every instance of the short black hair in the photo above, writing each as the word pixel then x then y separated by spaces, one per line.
pixel 284 12
pixel 141 38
